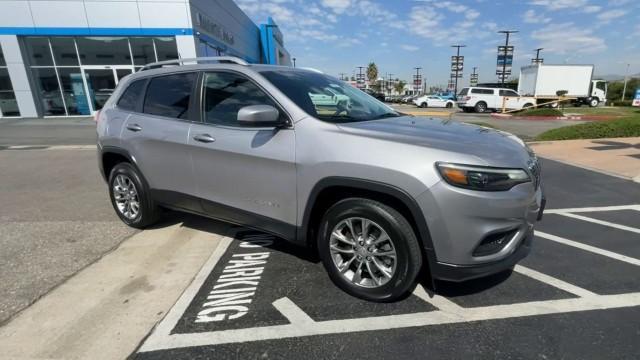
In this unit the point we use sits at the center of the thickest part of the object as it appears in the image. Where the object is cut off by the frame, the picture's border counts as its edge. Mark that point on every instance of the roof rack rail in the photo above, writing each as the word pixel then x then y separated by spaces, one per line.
pixel 220 59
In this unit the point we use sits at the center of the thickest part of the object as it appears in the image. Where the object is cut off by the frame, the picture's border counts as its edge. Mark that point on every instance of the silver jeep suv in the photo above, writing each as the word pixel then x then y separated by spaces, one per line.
pixel 378 194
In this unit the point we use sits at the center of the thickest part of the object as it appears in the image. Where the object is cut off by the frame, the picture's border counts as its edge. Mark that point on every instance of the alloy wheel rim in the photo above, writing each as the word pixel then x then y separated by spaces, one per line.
pixel 362 252
pixel 126 197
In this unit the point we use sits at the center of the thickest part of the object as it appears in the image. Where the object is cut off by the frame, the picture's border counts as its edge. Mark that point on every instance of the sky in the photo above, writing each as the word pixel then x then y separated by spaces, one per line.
pixel 336 36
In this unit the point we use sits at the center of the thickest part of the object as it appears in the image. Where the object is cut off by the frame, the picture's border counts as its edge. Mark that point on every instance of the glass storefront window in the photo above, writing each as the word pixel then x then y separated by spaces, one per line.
pixel 59 62
pixel 64 51
pixel 73 90
pixel 3 62
pixel 49 91
pixel 166 48
pixel 142 49
pixel 104 50
pixel 38 51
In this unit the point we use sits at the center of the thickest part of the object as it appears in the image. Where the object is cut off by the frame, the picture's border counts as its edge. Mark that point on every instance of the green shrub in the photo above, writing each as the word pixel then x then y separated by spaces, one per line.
pixel 621 103
pixel 540 112
pixel 624 127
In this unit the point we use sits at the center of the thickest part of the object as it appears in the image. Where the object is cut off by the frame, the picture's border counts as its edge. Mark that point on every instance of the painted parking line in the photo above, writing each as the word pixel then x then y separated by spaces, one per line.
pixel 593 249
pixel 299 303
pixel 593 209
pixel 601 222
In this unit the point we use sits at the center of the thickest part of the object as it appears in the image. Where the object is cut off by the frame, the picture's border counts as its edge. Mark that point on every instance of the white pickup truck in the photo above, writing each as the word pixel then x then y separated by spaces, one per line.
pixel 481 99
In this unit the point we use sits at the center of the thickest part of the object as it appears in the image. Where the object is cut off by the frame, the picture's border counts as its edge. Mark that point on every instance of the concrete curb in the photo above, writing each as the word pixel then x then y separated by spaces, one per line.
pixel 570 118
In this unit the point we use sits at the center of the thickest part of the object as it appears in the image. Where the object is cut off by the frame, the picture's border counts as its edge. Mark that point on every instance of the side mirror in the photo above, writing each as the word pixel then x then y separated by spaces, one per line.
pixel 258 115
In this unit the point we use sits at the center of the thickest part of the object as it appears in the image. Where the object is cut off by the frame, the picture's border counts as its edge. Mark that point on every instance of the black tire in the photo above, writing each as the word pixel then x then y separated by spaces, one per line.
pixel 423 105
pixel 480 107
pixel 449 105
pixel 408 253
pixel 527 105
pixel 594 102
pixel 148 213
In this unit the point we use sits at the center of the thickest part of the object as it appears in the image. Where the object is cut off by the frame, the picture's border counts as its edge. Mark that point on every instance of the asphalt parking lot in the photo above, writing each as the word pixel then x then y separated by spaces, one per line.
pixel 576 296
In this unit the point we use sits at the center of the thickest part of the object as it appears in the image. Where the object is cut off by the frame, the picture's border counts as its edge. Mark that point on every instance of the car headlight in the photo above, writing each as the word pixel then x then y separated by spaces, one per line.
pixel 480 177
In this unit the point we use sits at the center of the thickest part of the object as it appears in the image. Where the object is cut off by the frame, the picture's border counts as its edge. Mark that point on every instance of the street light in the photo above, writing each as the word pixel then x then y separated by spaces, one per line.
pixel 457 66
pixel 506 46
pixel 294 62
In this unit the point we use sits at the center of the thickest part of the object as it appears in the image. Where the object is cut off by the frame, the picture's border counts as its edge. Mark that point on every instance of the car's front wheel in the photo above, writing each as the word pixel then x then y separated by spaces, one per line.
pixel 130 197
pixel 369 249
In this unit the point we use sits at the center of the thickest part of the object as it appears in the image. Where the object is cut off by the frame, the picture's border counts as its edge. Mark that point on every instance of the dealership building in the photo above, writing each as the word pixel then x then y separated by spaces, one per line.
pixel 65 57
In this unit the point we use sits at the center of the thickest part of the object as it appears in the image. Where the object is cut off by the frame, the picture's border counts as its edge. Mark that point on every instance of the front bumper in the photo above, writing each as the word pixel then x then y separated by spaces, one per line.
pixel 458 273
pixel 463 222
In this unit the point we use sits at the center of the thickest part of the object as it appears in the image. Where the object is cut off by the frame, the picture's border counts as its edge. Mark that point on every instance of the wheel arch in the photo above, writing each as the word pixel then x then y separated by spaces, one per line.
pixel 110 156
pixel 331 189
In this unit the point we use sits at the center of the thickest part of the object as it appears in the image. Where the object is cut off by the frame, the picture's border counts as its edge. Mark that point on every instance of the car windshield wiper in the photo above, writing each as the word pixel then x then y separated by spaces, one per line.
pixel 386 115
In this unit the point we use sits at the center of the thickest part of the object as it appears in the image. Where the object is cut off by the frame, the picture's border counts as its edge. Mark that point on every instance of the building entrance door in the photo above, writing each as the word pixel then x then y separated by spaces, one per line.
pixel 99 83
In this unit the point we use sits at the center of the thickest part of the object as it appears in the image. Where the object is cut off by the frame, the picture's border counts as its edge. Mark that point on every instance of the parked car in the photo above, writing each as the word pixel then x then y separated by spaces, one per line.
pixel 481 99
pixel 376 193
pixel 447 95
pixel 433 101
pixel 377 95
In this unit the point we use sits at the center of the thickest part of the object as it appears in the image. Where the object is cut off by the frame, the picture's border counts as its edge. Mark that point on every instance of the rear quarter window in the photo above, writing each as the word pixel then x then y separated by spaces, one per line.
pixel 482 91
pixel 131 96
pixel 169 95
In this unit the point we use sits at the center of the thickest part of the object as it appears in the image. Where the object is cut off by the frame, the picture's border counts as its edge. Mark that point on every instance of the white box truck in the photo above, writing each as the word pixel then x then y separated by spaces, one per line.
pixel 544 82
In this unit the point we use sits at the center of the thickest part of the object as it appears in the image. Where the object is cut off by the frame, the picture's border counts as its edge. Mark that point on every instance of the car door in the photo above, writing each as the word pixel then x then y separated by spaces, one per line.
pixel 437 101
pixel 244 174
pixel 157 136
pixel 510 98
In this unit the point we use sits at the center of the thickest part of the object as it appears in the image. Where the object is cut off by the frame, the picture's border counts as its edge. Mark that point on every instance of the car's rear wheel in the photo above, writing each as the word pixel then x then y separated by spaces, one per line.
pixel 369 249
pixel 423 105
pixel 449 105
pixel 480 107
pixel 130 197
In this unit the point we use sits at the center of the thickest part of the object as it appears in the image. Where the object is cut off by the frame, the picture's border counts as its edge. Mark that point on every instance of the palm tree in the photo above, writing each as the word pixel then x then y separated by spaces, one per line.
pixel 372 73
pixel 399 86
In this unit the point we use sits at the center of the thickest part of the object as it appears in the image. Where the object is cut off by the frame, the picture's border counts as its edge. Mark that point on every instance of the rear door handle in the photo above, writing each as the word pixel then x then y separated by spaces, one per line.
pixel 204 138
pixel 134 127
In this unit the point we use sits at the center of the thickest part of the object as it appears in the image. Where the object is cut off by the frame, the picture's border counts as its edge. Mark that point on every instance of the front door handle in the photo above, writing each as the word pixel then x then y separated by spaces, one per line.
pixel 134 127
pixel 204 138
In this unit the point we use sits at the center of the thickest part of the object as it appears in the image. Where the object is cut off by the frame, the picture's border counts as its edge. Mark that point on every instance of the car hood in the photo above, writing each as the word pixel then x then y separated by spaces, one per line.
pixel 493 147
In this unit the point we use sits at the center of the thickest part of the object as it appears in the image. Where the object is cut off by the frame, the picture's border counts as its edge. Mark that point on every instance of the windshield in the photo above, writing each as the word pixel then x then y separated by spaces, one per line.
pixel 327 98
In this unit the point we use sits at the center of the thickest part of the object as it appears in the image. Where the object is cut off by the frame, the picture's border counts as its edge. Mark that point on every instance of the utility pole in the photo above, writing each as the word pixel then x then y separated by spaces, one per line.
pixel 360 77
pixel 457 65
pixel 294 62
pixel 626 75
pixel 417 82
pixel 473 79
pixel 537 60
pixel 342 76
pixel 506 50
pixel 389 75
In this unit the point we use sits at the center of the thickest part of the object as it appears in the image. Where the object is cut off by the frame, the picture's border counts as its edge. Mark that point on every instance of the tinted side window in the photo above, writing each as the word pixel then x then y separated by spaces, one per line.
pixel 508 93
pixel 482 91
pixel 169 95
pixel 226 93
pixel 131 96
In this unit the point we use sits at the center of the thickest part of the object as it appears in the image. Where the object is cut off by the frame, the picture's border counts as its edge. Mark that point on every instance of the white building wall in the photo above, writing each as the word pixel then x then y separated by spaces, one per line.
pixel 18 75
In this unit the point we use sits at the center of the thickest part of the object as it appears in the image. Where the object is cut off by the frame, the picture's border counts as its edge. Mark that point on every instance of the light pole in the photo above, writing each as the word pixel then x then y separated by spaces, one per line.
pixel 416 83
pixel 457 65
pixel 624 89
pixel 389 75
pixel 294 62
pixel 506 47
pixel 342 76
